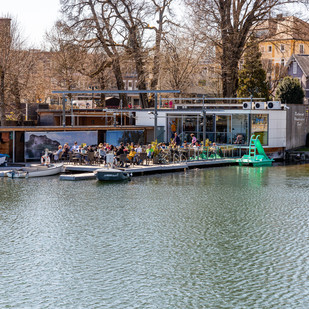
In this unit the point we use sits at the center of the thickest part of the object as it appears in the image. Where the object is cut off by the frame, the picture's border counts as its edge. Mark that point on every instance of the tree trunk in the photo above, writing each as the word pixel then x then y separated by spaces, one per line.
pixel 2 99
pixel 156 59
pixel 119 80
pixel 229 78
pixel 16 93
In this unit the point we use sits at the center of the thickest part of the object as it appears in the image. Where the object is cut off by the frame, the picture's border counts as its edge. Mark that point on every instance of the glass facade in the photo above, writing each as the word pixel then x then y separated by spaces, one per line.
pixel 222 129
pixel 240 129
pixel 259 126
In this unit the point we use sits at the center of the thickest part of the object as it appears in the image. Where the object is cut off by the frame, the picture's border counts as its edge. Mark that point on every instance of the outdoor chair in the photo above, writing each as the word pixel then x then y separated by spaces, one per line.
pixel 76 158
pixel 122 160
pixel 90 157
pixel 142 156
pixel 70 157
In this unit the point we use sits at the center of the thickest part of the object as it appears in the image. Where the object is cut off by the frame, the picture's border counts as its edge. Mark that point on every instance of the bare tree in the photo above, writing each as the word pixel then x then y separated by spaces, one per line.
pixel 92 24
pixel 19 80
pixel 5 52
pixel 16 65
pixel 162 11
pixel 66 57
pixel 229 23
pixel 120 28
pixel 182 62
pixel 97 67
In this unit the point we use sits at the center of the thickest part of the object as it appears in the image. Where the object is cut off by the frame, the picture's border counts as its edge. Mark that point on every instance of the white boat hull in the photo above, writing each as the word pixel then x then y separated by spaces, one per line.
pixel 39 171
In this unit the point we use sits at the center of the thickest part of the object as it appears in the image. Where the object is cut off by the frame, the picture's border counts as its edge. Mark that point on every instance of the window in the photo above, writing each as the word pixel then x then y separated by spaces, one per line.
pixel 269 48
pixel 294 67
pixel 301 48
pixel 282 47
pixel 262 49
pixel 240 129
pixel 282 62
pixel 223 129
pixel 259 126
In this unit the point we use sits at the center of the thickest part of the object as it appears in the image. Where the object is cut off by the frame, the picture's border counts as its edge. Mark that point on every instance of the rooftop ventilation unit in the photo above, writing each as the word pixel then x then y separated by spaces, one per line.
pixel 247 105
pixel 260 105
pixel 273 105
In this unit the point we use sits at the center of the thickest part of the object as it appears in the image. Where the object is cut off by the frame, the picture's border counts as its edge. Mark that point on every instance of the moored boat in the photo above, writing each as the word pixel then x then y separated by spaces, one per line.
pixel 36 171
pixel 105 174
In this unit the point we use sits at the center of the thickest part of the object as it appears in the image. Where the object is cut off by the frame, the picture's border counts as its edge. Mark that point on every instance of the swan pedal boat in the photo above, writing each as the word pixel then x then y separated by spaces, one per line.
pixel 36 171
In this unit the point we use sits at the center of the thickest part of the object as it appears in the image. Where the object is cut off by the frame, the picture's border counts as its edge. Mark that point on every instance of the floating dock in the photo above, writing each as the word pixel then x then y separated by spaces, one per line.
pixel 74 177
pixel 86 172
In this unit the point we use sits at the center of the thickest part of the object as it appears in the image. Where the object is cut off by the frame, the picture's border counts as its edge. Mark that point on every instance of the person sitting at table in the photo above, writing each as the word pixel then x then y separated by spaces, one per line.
pixel 131 155
pixel 112 148
pixel 120 150
pixel 66 149
pixel 107 147
pixel 89 149
pixel 102 152
pixel 239 139
pixel 59 153
pixel 163 146
pixel 83 150
pixel 149 151
pixel 196 148
pixel 75 147
pixel 139 149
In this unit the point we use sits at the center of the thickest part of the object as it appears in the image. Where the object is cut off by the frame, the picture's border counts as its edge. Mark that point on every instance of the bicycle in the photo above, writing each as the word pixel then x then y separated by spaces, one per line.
pixel 179 157
pixel 163 158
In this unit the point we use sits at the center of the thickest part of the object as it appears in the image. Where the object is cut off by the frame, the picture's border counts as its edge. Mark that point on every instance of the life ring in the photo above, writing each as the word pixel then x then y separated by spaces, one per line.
pixel 45 160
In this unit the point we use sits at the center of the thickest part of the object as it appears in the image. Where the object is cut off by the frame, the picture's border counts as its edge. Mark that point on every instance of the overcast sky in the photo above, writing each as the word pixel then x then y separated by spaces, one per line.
pixel 34 17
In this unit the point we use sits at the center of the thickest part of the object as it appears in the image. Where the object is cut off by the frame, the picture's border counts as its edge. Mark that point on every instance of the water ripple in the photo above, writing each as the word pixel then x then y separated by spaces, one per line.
pixel 217 238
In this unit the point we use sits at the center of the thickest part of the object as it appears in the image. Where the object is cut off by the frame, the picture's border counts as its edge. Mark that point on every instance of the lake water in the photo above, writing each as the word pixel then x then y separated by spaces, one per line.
pixel 232 237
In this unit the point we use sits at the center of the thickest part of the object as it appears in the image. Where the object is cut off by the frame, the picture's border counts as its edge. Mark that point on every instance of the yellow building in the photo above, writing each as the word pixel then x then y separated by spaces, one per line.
pixel 281 38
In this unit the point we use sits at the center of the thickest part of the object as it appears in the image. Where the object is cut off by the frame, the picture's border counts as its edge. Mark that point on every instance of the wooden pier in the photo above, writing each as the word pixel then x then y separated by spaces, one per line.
pixel 85 172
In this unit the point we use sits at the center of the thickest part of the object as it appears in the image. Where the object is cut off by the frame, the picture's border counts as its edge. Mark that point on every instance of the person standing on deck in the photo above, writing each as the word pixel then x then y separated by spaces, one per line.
pixel 177 140
pixel 173 128
pixel 193 139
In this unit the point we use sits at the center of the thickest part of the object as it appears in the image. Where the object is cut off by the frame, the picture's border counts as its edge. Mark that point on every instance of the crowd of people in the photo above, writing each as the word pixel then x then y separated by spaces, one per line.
pixel 131 151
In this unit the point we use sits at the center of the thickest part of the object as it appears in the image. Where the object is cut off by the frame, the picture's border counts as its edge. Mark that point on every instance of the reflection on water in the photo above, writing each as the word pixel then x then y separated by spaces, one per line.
pixel 233 237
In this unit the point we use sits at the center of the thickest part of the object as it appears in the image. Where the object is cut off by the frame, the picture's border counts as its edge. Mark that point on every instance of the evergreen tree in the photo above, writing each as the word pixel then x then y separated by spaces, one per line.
pixel 290 91
pixel 252 77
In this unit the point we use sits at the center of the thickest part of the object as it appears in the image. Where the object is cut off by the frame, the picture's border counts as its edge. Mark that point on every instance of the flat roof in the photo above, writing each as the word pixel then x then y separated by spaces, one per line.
pixel 75 128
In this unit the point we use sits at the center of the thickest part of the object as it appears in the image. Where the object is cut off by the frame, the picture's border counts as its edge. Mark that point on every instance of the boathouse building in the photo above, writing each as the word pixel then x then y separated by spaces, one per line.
pixel 279 126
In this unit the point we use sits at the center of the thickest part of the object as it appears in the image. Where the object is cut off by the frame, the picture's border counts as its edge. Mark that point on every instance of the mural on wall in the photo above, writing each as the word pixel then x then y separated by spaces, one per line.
pixel 116 137
pixel 37 142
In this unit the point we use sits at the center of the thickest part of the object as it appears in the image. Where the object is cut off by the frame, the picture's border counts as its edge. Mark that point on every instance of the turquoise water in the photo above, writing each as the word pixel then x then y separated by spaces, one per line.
pixel 209 238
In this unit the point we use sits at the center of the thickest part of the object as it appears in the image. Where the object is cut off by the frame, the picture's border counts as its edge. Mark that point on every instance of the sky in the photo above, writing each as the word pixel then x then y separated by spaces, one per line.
pixel 34 17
